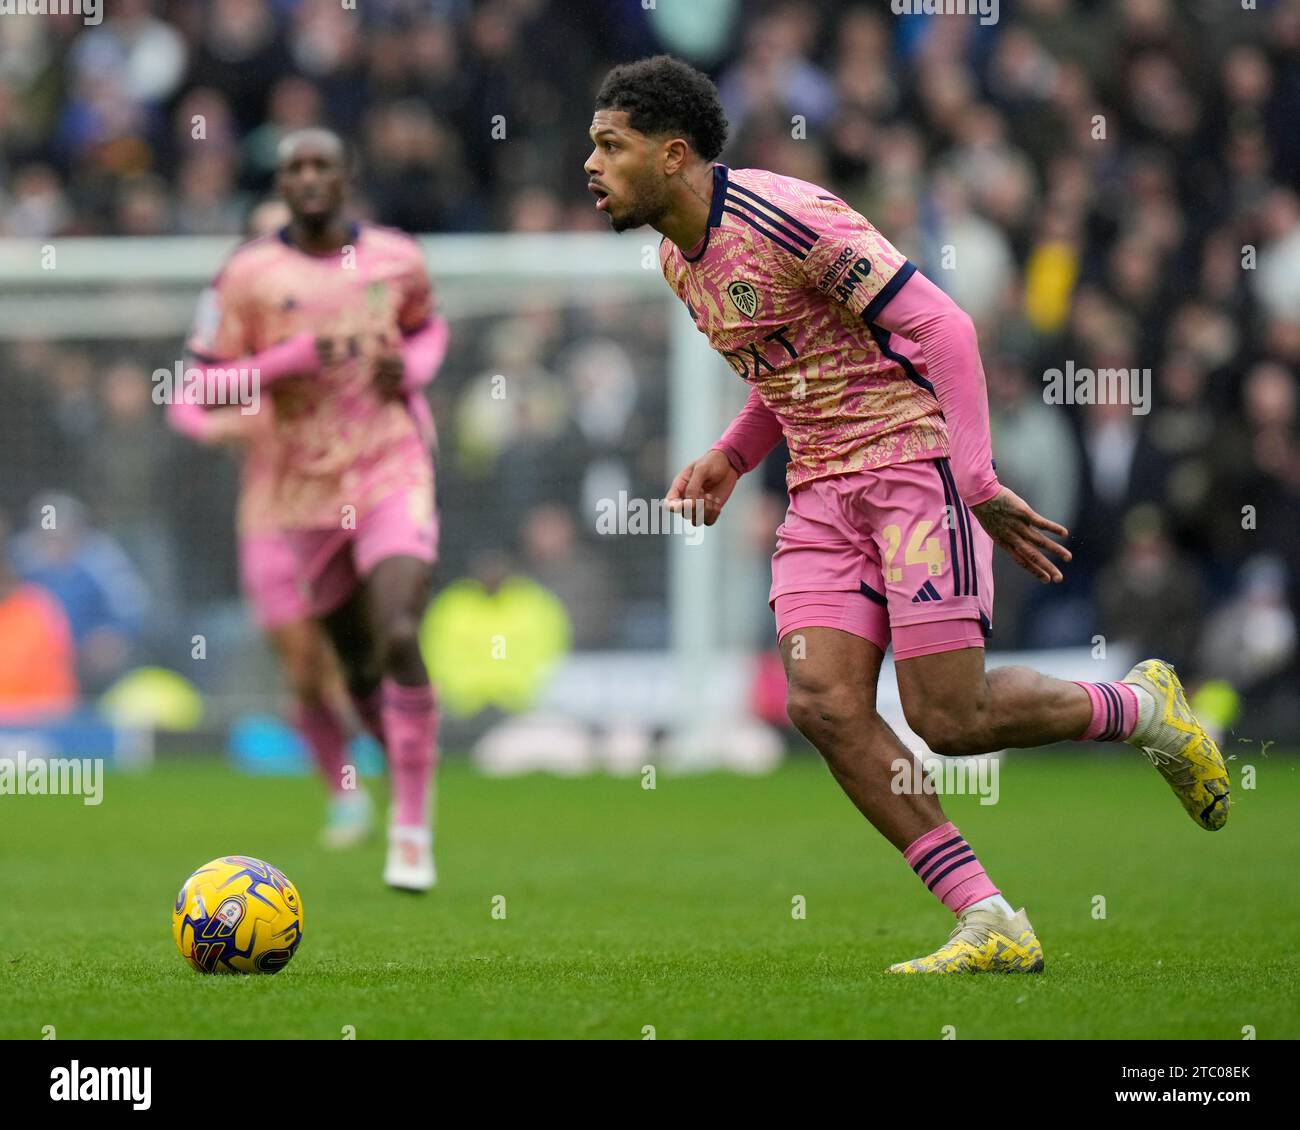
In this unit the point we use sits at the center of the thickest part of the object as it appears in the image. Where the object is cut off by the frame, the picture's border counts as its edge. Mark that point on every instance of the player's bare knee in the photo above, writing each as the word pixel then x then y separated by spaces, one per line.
pixel 362 685
pixel 820 710
pixel 949 733
pixel 401 633
pixel 400 639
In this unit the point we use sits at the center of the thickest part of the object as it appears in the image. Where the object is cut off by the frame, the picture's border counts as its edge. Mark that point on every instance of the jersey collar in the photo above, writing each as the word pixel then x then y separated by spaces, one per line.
pixel 354 230
pixel 720 173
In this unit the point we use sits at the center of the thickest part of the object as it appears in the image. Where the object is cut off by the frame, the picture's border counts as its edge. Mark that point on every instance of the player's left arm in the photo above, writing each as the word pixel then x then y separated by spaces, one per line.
pixel 425 335
pixel 854 265
pixel 858 268
pixel 423 353
pixel 923 313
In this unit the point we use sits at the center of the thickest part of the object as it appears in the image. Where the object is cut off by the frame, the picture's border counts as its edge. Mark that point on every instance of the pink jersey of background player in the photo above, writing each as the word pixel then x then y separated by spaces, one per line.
pixel 796 293
pixel 334 442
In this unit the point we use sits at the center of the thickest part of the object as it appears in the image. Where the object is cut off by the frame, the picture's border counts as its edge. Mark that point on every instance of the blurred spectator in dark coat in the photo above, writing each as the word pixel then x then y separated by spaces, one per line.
pixel 1038 457
pixel 554 557
pixel 1150 595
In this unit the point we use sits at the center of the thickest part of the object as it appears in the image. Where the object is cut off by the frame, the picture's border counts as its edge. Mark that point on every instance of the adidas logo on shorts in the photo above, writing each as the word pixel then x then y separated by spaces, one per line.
pixel 925 593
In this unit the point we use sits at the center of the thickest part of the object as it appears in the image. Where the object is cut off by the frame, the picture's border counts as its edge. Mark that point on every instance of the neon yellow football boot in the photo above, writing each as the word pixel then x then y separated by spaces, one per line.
pixel 983 941
pixel 1177 744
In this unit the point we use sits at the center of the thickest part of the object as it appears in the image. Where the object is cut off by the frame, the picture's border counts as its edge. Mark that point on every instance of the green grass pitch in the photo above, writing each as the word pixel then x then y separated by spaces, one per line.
pixel 628 908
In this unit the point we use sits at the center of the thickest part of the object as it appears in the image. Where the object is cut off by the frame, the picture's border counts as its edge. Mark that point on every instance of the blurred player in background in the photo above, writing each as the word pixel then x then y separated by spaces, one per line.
pixel 337 509
pixel 873 376
pixel 269 577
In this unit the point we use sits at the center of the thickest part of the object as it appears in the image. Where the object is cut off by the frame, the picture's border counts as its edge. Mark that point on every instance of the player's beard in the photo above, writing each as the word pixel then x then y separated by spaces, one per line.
pixel 315 223
pixel 645 207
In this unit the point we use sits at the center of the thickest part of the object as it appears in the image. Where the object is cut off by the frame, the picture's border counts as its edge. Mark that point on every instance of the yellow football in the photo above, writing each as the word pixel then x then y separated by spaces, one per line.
pixel 237 915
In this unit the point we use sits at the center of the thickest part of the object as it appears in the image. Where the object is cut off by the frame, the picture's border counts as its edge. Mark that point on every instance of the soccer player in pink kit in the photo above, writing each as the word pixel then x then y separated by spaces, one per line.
pixel 336 319
pixel 873 376
pixel 268 570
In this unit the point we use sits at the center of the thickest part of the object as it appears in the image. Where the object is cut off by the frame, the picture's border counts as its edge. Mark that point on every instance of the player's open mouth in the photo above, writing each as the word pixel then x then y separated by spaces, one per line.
pixel 601 194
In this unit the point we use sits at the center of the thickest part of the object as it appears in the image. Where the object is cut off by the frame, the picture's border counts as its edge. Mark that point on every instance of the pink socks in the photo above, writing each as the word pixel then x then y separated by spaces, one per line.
pixel 945 863
pixel 326 737
pixel 1114 712
pixel 410 723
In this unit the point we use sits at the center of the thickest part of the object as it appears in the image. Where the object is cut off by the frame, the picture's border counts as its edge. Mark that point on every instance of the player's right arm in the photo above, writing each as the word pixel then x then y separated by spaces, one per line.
pixel 751 436
pixel 702 487
pixel 223 342
pixel 193 420
pixel 709 481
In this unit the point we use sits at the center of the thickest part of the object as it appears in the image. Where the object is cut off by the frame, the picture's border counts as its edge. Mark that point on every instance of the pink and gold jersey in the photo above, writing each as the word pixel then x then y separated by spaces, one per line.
pixel 785 285
pixel 332 442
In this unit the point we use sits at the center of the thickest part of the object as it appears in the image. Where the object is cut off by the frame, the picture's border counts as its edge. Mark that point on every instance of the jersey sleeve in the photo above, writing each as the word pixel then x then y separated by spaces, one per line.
pixel 922 313
pixel 223 334
pixel 751 436
pixel 423 352
pixel 858 268
pixel 850 261
pixel 222 324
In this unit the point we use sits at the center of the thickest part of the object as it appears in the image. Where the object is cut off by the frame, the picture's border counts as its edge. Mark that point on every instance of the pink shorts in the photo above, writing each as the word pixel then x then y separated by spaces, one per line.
pixel 333 562
pixel 891 555
pixel 271 580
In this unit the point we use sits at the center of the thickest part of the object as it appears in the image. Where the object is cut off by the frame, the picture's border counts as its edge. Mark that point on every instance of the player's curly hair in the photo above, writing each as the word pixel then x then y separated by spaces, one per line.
pixel 662 95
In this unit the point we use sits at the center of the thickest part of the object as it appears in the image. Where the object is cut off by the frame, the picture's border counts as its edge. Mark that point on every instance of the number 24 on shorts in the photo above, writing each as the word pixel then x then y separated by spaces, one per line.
pixel 921 550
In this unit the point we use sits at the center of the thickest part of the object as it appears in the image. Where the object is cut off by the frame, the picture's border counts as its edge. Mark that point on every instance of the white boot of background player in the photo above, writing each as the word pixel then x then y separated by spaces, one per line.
pixel 410 864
